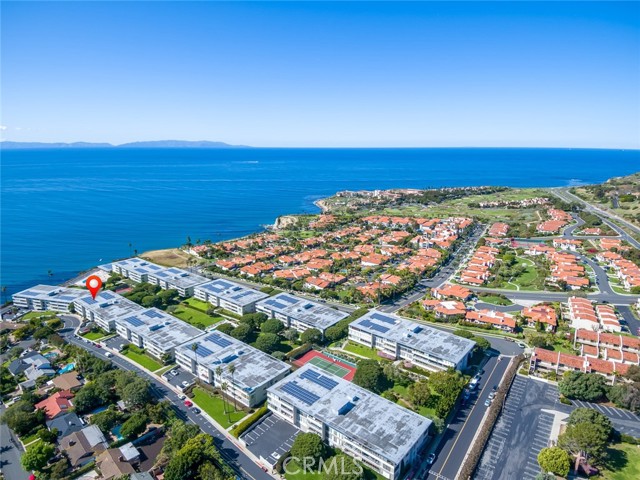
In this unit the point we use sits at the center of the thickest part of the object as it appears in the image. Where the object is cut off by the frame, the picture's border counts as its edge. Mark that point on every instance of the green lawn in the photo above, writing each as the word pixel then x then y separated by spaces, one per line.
pixel 191 315
pixel 495 300
pixel 194 302
pixel 362 350
pixel 30 315
pixel 623 462
pixel 93 336
pixel 135 354
pixel 214 406
pixel 165 369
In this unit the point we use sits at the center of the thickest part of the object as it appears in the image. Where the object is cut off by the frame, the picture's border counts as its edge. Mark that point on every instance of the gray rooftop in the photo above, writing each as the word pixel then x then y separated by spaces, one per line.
pixel 163 330
pixel 50 292
pixel 178 277
pixel 428 340
pixel 315 314
pixel 232 292
pixel 94 435
pixel 138 265
pixel 253 367
pixel 109 305
pixel 381 425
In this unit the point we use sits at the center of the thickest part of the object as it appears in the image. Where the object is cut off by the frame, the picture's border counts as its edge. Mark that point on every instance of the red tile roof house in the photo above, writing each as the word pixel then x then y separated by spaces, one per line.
pixel 455 291
pixel 623 343
pixel 500 320
pixel 59 402
pixel 316 283
pixel 373 260
pixel 559 363
pixel 446 308
pixel 388 279
pixel 498 230
pixel 544 314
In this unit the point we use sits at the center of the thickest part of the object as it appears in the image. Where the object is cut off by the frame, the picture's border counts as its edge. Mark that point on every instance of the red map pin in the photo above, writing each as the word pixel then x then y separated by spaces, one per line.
pixel 94 284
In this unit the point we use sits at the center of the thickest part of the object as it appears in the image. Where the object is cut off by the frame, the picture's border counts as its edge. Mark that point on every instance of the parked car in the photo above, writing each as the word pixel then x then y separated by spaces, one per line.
pixel 431 458
pixel 487 402
pixel 182 397
pixel 196 410
pixel 492 395
pixel 174 373
pixel 97 345
pixel 188 403
pixel 108 354
pixel 185 383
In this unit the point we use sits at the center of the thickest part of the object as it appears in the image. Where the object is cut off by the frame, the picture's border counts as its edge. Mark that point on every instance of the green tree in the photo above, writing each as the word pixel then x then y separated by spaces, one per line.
pixel 226 328
pixel 106 420
pixel 554 460
pixel 583 386
pixel 272 326
pixel 242 332
pixel 136 393
pixel 592 417
pixel 48 436
pixel 585 440
pixel 311 335
pixel 150 301
pixel 308 445
pixel 342 467
pixel 419 393
pixel 254 320
pixel 369 375
pixel 21 418
pixel 59 468
pixel 135 425
pixel 267 342
pixel 88 398
pixel 37 456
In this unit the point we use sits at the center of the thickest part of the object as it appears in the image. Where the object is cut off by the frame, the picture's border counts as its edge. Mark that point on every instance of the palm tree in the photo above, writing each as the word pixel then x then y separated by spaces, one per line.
pixel 194 349
pixel 224 390
pixel 232 369
pixel 130 248
pixel 219 379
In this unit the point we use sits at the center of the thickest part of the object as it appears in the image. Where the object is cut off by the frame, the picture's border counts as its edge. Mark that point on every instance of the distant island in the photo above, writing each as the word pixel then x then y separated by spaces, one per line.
pixel 150 144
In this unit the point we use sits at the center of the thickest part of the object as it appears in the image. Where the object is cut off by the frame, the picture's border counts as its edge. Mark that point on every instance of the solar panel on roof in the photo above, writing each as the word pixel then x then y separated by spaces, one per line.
pixel 89 301
pixel 242 295
pixel 300 393
pixel 153 314
pixel 288 299
pixel 66 297
pixel 218 340
pixel 275 304
pixel 374 326
pixel 318 379
pixel 223 283
pixel 382 318
pixel 107 295
pixel 203 351
pixel 135 321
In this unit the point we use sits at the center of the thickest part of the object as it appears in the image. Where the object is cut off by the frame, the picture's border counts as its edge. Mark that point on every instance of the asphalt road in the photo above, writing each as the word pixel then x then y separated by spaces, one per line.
pixel 10 453
pixel 460 432
pixel 239 461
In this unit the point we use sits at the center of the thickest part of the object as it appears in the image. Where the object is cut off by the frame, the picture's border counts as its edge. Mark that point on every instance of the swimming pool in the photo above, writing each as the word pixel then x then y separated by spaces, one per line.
pixel 67 368
pixel 116 432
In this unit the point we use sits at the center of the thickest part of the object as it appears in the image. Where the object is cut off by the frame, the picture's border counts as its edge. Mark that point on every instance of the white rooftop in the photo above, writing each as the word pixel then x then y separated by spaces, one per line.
pixel 232 292
pixel 109 305
pixel 318 315
pixel 50 292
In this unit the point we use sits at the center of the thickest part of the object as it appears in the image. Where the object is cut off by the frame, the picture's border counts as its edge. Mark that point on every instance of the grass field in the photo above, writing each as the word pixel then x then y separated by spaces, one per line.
pixel 495 300
pixel 171 257
pixel 199 304
pixel 135 354
pixel 30 315
pixel 214 406
pixel 93 336
pixel 191 315
pixel 623 463
pixel 362 350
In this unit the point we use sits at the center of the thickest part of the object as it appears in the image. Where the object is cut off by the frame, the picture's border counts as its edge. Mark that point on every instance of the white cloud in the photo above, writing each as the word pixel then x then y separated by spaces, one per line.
pixel 2 127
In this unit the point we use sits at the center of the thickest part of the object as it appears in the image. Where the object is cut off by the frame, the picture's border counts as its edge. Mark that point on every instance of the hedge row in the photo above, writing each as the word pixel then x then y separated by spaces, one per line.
pixel 81 471
pixel 250 420
pixel 471 462
pixel 298 352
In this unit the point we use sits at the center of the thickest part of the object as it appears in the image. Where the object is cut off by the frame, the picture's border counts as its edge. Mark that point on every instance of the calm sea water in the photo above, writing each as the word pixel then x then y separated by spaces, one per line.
pixel 68 210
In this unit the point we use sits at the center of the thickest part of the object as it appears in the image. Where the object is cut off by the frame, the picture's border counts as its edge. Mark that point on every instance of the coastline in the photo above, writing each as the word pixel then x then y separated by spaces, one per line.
pixel 322 205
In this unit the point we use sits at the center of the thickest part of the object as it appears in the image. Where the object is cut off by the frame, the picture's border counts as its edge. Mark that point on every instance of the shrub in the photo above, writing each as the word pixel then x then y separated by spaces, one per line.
pixel 249 421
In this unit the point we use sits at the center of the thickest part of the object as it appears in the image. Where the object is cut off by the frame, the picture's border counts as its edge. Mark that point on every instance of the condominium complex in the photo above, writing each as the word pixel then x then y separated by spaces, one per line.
pixel 105 309
pixel 582 314
pixel 300 313
pixel 210 355
pixel 156 331
pixel 423 346
pixel 140 270
pixel 229 295
pixel 377 432
pixel 135 268
pixel 47 297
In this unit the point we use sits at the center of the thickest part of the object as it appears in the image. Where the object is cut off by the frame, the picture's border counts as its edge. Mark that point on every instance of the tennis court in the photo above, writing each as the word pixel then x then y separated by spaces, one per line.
pixel 326 363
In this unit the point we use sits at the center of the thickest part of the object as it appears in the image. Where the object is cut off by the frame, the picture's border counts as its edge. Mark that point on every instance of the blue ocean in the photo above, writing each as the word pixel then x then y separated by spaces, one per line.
pixel 67 210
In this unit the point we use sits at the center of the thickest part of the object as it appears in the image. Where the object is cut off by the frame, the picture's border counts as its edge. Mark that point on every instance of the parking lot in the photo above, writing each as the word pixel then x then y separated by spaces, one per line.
pixel 270 438
pixel 179 377
pixel 115 343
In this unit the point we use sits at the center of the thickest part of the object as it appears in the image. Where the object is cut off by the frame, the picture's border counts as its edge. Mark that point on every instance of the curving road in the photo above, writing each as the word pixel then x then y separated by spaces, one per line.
pixel 237 459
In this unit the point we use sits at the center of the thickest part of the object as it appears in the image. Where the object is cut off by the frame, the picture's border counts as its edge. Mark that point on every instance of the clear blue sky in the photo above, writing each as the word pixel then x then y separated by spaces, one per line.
pixel 324 74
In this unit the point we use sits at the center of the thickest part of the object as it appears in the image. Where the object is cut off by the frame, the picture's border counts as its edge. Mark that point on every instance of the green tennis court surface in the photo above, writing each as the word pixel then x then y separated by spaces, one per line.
pixel 329 366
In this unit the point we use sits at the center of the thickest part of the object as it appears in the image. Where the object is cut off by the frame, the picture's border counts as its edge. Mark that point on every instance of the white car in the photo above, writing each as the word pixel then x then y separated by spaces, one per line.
pixel 185 383
pixel 182 397
pixel 108 354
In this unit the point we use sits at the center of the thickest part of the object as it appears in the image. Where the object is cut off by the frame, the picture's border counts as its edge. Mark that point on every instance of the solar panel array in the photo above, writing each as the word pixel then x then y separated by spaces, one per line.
pixel 107 295
pixel 203 351
pixel 66 297
pixel 218 340
pixel 89 301
pixel 318 379
pixel 288 299
pixel 275 304
pixel 382 318
pixel 153 314
pixel 243 294
pixel 302 394
pixel 374 326
pixel 224 284
pixel 135 321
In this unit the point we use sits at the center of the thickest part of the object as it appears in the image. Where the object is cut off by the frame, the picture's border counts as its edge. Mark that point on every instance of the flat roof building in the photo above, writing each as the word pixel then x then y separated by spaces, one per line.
pixel 176 278
pixel 424 346
pixel 300 313
pixel 377 432
pixel 255 370
pixel 156 331
pixel 135 268
pixel 47 297
pixel 229 295
pixel 105 309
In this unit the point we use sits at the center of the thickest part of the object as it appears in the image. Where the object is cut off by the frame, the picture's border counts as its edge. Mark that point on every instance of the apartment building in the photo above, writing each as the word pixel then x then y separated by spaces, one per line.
pixel 177 279
pixel 560 363
pixel 209 356
pixel 229 295
pixel 300 313
pixel 400 339
pixel 500 320
pixel 135 268
pixel 105 309
pixel 47 297
pixel 156 331
pixel 377 432
pixel 583 315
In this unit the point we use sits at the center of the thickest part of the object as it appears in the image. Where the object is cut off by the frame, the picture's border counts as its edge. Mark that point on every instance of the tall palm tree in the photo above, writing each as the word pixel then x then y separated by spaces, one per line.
pixel 232 369
pixel 219 379
pixel 194 349
pixel 224 391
